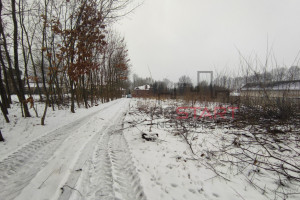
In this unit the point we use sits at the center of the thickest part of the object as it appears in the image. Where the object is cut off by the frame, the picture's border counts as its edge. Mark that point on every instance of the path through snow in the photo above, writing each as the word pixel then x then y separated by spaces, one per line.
pixel 86 159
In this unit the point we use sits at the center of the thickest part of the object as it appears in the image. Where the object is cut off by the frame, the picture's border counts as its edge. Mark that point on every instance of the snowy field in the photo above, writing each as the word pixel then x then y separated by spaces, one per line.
pixel 208 161
pixel 138 149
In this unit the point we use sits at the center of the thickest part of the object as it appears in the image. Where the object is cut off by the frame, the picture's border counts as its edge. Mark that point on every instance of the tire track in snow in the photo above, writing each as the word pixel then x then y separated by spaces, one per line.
pixel 126 180
pixel 21 166
pixel 110 173
pixel 100 174
pixel 95 180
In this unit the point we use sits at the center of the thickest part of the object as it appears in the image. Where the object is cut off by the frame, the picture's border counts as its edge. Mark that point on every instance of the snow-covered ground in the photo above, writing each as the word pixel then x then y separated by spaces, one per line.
pixel 99 153
pixel 170 170
pixel 20 131
pixel 52 161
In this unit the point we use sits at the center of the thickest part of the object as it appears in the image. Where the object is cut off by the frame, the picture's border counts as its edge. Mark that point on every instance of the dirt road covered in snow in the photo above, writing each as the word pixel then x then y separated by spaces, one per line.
pixel 86 159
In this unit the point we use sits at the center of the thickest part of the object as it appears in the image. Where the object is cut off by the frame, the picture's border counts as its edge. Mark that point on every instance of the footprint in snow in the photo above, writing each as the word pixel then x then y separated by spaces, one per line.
pixel 216 195
pixel 174 185
pixel 169 166
pixel 192 190
pixel 200 190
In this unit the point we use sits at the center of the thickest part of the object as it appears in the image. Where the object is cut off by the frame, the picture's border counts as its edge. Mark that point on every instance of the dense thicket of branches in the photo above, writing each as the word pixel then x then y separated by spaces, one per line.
pixel 63 51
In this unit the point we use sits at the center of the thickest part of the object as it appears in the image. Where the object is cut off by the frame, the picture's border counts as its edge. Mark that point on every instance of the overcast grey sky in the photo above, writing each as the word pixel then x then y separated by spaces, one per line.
pixel 180 37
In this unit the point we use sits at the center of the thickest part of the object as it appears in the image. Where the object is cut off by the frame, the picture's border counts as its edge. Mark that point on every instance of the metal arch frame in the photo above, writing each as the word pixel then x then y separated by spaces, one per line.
pixel 205 72
pixel 211 80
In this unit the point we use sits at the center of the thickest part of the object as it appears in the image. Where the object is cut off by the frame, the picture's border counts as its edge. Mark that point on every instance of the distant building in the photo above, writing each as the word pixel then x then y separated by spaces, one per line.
pixel 141 91
pixel 33 88
pixel 278 89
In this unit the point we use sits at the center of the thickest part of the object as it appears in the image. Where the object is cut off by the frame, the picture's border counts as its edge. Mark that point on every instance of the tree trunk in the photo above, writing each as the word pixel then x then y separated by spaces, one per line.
pixel 1 137
pixel 92 89
pixel 3 94
pixel 20 92
pixel 84 92
pixel 43 70
pixel 45 112
pixel 4 114
pixel 3 97
pixel 72 96
pixel 7 90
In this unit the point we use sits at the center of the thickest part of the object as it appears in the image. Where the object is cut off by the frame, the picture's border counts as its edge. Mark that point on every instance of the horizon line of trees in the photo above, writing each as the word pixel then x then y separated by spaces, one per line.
pixel 183 87
pixel 222 81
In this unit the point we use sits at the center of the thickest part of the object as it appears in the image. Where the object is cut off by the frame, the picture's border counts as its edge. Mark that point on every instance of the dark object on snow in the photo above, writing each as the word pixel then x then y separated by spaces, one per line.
pixel 274 131
pixel 150 137
pixel 1 137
